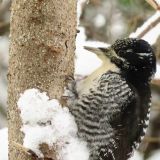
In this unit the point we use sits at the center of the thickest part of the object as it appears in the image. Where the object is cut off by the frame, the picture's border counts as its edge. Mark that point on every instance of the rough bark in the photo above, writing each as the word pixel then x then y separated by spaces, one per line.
pixel 41 55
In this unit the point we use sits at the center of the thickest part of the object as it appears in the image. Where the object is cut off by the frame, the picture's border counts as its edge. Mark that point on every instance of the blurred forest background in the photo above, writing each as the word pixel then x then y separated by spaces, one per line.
pixel 106 21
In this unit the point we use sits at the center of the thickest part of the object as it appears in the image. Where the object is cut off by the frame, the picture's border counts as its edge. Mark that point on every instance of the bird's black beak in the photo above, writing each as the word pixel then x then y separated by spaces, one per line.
pixel 101 51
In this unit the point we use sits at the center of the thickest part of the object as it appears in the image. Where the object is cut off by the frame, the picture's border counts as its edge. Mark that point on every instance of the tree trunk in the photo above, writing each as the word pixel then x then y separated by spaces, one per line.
pixel 41 55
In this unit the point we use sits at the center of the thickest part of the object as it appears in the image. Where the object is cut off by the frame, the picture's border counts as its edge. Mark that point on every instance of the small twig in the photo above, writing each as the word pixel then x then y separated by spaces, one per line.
pixel 152 139
pixel 154 4
pixel 155 85
pixel 156 108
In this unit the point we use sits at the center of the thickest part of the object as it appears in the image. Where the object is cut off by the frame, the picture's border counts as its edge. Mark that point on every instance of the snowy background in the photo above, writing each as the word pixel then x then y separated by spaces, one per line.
pixel 103 21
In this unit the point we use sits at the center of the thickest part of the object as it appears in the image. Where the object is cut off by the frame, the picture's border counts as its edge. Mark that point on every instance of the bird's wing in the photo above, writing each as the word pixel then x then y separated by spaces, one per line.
pixel 95 111
pixel 118 97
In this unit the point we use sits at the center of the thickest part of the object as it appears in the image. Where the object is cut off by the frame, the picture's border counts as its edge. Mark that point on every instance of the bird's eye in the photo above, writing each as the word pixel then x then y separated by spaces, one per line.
pixel 121 52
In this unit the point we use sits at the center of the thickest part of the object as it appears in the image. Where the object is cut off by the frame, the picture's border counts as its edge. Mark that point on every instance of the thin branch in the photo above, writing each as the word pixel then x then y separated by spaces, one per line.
pixel 155 85
pixel 154 4
pixel 149 27
pixel 152 139
pixel 156 108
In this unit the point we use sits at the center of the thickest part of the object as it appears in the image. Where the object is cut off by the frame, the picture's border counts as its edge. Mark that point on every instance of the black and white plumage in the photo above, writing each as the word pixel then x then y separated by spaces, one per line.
pixel 112 113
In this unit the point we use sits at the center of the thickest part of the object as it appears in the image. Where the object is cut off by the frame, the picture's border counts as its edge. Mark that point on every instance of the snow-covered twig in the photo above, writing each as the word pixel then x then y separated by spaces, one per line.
pixel 154 3
pixel 149 27
pixel 150 30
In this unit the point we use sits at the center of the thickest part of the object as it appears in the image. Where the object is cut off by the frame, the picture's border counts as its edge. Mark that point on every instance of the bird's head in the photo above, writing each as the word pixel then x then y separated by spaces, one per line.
pixel 133 57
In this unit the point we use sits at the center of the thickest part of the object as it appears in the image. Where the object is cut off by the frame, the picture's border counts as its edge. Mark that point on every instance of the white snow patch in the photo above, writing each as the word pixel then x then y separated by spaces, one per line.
pixel 75 150
pixel 157 75
pixel 39 105
pixel 4 144
pixel 152 36
pixel 155 155
pixel 36 135
pixel 45 121
pixel 99 20
pixel 79 8
pixel 137 156
pixel 158 1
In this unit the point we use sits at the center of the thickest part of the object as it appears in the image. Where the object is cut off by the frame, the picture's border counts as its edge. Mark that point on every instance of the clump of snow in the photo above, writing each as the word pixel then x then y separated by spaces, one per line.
pixel 39 104
pixel 157 75
pixel 4 144
pixel 151 36
pixel 136 156
pixel 45 121
pixel 36 135
pixel 75 150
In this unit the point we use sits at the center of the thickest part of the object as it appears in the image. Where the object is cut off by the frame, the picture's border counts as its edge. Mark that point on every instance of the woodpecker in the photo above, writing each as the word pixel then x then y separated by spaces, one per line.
pixel 112 108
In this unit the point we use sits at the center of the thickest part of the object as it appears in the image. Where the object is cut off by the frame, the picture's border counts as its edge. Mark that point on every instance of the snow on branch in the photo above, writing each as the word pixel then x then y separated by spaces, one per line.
pixel 154 3
pixel 150 30
pixel 46 122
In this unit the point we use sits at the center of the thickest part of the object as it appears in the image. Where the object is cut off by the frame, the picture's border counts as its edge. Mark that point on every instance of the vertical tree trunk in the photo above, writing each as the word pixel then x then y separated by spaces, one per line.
pixel 41 55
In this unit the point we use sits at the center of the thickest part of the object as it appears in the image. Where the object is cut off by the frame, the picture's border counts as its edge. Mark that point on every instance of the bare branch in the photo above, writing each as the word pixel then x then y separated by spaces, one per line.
pixel 152 139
